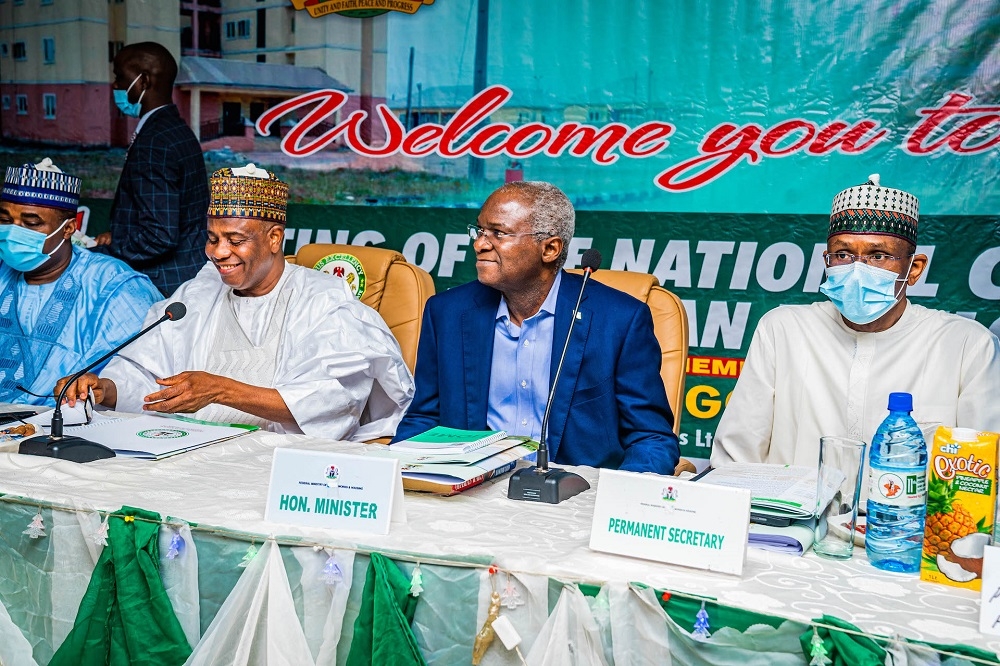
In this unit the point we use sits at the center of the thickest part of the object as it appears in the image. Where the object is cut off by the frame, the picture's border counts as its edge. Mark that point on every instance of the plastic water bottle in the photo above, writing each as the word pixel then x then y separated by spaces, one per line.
pixel 898 490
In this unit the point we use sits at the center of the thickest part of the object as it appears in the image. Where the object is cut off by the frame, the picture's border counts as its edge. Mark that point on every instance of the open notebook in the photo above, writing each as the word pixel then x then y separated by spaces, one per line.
pixel 154 436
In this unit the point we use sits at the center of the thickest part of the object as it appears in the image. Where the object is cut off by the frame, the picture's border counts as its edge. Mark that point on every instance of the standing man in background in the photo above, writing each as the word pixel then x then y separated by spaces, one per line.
pixel 158 215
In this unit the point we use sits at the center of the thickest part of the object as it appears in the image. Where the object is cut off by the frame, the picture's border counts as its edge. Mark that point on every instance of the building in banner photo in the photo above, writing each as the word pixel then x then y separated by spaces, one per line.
pixel 236 59
pixel 55 65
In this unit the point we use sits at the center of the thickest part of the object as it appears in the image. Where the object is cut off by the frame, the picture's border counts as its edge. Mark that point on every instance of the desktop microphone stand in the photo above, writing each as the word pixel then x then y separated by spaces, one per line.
pixel 78 449
pixel 539 483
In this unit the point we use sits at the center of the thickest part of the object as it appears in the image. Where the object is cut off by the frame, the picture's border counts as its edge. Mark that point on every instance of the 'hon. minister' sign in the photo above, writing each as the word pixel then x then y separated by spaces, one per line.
pixel 334 491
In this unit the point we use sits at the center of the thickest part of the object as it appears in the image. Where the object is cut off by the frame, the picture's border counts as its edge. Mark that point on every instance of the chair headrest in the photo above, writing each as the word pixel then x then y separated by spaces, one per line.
pixel 637 284
pixel 360 265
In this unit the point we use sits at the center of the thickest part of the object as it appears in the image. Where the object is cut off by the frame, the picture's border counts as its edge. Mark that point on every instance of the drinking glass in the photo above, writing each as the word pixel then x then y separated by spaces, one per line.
pixel 838 494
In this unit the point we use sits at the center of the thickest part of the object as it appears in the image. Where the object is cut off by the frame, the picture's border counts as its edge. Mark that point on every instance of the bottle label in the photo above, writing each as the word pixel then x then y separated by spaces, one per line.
pixel 897 487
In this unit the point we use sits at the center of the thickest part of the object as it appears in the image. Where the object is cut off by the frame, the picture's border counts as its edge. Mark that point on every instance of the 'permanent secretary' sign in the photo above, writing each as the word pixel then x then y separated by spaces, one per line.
pixel 679 522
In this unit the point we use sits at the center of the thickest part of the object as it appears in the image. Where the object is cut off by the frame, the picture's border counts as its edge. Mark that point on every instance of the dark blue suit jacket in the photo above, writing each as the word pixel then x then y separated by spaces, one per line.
pixel 158 218
pixel 610 408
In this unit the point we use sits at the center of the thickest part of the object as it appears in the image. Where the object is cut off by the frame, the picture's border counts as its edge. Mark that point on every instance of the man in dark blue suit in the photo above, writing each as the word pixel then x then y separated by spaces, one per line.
pixel 488 349
pixel 159 211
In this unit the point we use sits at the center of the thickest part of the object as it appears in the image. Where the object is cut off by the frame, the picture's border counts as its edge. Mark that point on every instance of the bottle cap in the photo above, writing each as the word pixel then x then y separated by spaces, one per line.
pixel 900 402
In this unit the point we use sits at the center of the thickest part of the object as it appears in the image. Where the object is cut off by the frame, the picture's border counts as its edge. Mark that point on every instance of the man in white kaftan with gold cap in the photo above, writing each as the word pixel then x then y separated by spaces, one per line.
pixel 828 368
pixel 264 342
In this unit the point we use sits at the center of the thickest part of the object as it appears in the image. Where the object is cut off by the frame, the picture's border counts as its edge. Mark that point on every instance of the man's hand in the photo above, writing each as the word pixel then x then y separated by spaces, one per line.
pixel 186 393
pixel 105 391
pixel 103 238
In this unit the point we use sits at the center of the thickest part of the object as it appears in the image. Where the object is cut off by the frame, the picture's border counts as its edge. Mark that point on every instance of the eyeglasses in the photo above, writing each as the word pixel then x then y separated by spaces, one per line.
pixel 88 404
pixel 877 259
pixel 494 236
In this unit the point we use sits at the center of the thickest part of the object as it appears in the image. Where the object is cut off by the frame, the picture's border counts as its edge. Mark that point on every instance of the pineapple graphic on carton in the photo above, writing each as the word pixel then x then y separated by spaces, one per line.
pixel 961 493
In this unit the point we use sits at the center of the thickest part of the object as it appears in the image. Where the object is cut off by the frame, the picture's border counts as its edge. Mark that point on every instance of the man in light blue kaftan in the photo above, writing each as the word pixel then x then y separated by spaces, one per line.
pixel 61 307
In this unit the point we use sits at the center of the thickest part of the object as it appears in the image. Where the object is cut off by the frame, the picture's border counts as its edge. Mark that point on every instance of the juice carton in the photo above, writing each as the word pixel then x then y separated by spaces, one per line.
pixel 961 495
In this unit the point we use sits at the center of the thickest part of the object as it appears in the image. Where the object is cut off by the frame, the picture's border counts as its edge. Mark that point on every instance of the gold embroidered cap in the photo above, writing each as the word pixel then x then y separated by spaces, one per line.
pixel 248 192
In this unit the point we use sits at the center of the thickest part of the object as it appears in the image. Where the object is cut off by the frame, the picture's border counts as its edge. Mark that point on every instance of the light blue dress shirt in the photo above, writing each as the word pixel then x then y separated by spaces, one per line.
pixel 519 375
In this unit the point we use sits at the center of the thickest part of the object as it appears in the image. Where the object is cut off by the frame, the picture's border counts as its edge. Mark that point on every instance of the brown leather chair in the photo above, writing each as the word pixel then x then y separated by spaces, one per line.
pixel 670 326
pixel 394 288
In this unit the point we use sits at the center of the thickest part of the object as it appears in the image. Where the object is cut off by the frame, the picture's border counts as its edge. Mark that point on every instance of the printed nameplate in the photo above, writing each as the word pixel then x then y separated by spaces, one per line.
pixel 335 491
pixel 664 519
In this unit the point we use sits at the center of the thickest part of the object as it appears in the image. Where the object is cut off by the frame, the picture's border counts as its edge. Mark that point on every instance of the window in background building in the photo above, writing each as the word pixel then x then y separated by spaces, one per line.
pixel 187 30
pixel 238 29
pixel 22 105
pixel 20 51
pixel 257 108
pixel 49 104
pixel 113 49
pixel 6 98
pixel 48 50
pixel 232 119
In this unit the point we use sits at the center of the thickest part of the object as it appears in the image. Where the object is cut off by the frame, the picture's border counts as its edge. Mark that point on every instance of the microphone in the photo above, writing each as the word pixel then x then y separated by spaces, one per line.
pixel 539 483
pixel 78 449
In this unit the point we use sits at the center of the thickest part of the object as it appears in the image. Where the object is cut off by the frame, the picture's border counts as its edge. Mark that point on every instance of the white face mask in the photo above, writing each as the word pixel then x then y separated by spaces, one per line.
pixel 24 249
pixel 863 293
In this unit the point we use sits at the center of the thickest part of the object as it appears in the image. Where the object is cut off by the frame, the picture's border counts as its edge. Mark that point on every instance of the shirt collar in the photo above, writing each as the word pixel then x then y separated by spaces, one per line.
pixel 145 117
pixel 548 305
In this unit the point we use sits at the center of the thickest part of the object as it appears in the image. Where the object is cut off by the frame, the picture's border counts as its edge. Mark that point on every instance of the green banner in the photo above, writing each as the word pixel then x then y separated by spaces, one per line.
pixel 728 269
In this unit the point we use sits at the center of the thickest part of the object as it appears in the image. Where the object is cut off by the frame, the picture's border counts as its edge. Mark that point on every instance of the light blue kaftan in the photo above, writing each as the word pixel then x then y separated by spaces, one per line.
pixel 50 331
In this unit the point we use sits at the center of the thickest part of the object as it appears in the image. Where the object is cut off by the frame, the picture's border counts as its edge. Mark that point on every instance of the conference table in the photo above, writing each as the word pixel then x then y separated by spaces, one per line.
pixel 466 545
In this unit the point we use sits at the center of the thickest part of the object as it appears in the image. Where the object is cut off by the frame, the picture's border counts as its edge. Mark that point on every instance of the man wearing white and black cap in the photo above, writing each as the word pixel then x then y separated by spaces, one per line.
pixel 60 307
pixel 828 368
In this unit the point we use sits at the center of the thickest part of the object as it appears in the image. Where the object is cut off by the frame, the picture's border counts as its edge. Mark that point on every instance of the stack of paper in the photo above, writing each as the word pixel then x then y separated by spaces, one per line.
pixel 793 539
pixel 777 490
pixel 448 474
pixel 782 496
pixel 448 441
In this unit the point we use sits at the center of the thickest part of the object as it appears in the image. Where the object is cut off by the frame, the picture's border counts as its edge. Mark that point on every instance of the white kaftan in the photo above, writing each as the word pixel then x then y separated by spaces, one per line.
pixel 807 375
pixel 337 366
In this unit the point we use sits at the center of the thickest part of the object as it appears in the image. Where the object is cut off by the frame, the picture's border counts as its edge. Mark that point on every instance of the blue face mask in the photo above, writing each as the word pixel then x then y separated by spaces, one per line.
pixel 23 249
pixel 133 110
pixel 862 293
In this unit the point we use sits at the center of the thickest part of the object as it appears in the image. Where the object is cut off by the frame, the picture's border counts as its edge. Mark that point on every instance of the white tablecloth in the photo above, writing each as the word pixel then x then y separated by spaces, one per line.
pixel 225 485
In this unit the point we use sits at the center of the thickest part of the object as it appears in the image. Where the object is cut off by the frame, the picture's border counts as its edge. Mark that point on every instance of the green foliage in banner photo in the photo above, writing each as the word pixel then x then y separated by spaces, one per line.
pixel 728 269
